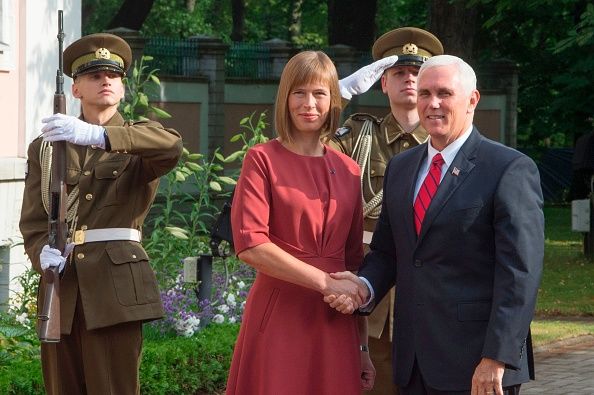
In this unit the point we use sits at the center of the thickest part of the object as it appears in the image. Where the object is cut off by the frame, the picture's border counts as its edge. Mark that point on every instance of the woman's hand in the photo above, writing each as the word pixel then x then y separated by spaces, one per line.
pixel 367 371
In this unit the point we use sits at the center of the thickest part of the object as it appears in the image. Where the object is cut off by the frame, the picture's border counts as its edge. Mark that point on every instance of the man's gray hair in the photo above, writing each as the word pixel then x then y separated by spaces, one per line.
pixel 465 72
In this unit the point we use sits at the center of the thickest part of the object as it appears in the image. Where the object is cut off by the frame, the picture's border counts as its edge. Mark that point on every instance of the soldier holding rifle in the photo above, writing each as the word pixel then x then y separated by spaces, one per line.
pixel 107 286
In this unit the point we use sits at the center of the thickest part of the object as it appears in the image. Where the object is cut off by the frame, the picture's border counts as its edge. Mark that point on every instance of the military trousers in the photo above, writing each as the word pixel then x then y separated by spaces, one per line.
pixel 381 356
pixel 102 361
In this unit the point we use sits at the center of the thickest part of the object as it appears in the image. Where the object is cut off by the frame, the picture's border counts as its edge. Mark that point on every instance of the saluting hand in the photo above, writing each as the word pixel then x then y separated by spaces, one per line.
pixel 60 127
pixel 363 79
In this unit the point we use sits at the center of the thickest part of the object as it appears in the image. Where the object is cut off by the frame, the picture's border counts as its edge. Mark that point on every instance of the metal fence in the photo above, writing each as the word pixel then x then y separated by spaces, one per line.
pixel 248 60
pixel 179 57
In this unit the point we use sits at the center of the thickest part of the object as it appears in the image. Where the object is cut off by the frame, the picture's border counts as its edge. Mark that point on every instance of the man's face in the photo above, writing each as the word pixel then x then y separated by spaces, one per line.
pixel 400 84
pixel 101 89
pixel 445 109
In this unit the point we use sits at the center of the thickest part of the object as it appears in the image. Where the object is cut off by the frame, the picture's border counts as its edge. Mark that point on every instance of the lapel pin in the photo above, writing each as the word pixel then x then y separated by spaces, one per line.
pixel 456 171
pixel 332 171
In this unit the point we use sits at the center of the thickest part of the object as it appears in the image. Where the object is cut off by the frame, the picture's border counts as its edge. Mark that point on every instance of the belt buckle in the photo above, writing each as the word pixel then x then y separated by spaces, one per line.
pixel 79 237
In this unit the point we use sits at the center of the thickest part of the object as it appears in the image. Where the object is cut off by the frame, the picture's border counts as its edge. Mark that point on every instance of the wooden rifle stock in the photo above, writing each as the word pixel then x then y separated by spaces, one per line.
pixel 49 318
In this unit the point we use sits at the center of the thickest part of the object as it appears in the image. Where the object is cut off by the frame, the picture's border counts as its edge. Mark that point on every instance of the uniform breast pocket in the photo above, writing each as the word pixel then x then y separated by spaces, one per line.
pixel 108 175
pixel 133 278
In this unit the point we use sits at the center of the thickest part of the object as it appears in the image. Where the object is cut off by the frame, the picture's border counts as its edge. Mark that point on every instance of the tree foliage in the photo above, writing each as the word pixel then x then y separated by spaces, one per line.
pixel 551 41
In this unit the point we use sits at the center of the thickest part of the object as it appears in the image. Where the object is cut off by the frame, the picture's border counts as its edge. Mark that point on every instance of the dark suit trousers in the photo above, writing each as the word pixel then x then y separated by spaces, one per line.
pixel 417 386
pixel 102 361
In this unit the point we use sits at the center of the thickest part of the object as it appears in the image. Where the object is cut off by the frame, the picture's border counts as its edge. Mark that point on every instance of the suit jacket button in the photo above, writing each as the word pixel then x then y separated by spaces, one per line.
pixel 418 263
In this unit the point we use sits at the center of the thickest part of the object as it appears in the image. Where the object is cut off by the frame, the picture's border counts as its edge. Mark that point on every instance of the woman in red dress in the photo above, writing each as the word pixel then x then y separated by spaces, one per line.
pixel 296 217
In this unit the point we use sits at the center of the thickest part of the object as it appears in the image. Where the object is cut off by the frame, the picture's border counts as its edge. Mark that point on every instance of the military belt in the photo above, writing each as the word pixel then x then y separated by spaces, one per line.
pixel 106 234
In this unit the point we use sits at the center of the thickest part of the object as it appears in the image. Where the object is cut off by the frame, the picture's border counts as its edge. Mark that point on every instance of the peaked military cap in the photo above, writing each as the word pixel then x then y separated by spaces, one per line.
pixel 97 52
pixel 412 45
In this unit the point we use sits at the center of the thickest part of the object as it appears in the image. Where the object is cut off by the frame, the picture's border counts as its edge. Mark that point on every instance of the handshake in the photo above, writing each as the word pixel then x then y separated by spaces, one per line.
pixel 345 292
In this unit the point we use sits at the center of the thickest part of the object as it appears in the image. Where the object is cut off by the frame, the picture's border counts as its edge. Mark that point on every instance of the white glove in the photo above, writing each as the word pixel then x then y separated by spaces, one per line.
pixel 61 127
pixel 51 257
pixel 361 80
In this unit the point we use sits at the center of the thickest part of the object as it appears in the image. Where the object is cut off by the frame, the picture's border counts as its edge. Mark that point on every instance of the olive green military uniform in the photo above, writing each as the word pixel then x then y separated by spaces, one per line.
pixel 107 288
pixel 372 142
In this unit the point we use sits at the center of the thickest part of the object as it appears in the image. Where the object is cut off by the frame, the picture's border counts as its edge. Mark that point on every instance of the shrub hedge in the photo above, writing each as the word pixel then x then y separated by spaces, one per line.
pixel 170 365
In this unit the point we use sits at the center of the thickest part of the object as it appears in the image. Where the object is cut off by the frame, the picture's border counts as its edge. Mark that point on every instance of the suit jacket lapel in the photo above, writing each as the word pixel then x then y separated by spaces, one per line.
pixel 460 168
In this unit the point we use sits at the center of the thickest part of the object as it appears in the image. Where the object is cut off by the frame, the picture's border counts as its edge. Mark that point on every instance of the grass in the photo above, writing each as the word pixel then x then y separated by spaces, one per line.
pixel 567 289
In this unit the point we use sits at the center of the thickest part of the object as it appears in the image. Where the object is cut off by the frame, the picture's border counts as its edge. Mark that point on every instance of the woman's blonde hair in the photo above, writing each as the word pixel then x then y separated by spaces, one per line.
pixel 304 68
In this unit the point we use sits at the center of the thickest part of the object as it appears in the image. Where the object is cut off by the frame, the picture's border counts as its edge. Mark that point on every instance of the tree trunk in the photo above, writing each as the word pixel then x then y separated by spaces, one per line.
pixel 352 22
pixel 454 24
pixel 238 17
pixel 132 14
pixel 190 5
pixel 295 23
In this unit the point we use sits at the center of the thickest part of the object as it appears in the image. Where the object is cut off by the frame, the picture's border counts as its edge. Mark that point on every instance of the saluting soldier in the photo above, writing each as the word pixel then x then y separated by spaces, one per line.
pixel 108 288
pixel 372 141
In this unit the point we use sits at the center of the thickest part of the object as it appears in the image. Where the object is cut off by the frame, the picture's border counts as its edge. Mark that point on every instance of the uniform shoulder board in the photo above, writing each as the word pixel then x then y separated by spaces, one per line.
pixel 343 131
pixel 362 117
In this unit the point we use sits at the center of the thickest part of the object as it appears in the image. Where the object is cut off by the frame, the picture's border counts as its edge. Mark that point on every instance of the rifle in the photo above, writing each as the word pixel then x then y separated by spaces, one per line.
pixel 49 318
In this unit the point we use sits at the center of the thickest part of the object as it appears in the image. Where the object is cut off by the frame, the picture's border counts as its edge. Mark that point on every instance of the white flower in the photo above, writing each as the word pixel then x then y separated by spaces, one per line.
pixel 223 308
pixel 188 326
pixel 233 320
pixel 22 319
pixel 231 300
pixel 218 319
pixel 240 285
pixel 242 305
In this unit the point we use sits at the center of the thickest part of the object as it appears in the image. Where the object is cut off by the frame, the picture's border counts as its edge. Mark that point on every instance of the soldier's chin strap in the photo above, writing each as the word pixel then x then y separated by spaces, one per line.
pixel 362 155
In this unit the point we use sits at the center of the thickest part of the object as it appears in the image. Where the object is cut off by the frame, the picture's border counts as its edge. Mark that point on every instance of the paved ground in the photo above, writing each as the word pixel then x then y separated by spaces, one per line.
pixel 564 368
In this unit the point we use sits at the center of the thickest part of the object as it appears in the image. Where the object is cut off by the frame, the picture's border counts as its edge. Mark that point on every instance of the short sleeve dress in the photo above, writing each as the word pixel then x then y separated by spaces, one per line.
pixel 291 341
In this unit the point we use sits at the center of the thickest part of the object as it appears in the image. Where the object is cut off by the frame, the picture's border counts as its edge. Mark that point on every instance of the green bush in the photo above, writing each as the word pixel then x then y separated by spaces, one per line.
pixel 170 365
pixel 180 365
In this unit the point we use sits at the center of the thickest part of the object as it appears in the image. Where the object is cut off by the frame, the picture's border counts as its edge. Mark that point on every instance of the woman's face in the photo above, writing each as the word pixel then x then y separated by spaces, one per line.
pixel 309 105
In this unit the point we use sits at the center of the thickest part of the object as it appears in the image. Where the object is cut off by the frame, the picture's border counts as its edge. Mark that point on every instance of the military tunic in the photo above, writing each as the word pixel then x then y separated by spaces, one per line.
pixel 387 139
pixel 108 288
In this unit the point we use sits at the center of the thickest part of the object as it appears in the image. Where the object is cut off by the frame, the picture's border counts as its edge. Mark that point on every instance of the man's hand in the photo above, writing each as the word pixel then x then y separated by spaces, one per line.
pixel 347 302
pixel 60 127
pixel 50 257
pixel 361 80
pixel 487 378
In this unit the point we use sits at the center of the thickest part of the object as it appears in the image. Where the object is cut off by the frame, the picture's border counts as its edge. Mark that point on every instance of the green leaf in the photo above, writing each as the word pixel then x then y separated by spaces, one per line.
pixel 179 176
pixel 185 151
pixel 143 99
pixel 194 156
pixel 160 112
pixel 194 166
pixel 235 138
pixel 219 156
pixel 232 157
pixel 215 186
pixel 155 79
pixel 244 120
pixel 227 180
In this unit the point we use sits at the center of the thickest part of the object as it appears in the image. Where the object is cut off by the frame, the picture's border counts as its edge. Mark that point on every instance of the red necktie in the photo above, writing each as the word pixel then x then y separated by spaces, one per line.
pixel 427 191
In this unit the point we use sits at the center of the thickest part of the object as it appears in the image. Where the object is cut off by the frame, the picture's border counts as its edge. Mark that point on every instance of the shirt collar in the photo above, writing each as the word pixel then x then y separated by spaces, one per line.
pixel 449 152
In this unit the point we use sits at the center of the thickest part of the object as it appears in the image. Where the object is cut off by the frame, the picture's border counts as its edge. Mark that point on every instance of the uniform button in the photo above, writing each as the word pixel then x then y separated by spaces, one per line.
pixel 89 196
pixel 83 227
pixel 93 146
pixel 87 172
pixel 133 256
pixel 418 263
pixel 80 255
pixel 405 144
pixel 372 171
pixel 115 172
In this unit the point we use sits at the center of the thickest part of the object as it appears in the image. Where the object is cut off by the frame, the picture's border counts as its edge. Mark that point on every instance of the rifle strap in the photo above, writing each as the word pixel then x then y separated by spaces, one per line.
pixel 45 160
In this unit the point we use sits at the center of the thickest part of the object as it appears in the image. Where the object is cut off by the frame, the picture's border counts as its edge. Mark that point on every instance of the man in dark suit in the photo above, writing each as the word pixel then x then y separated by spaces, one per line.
pixel 464 248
